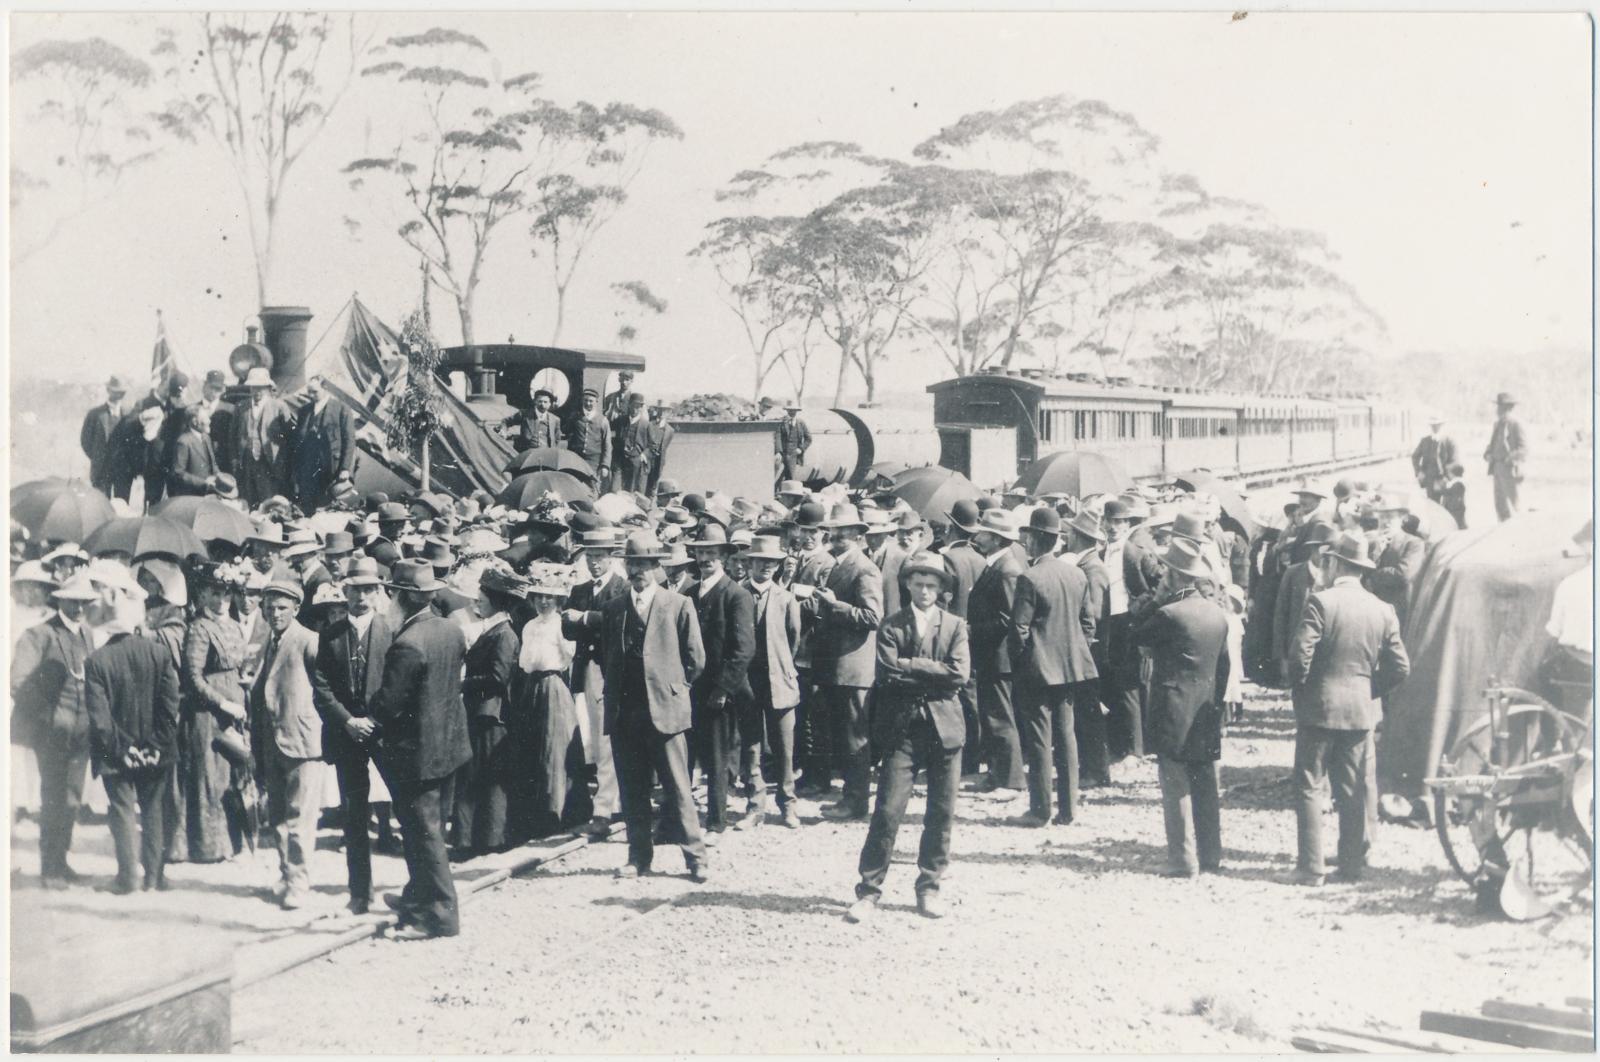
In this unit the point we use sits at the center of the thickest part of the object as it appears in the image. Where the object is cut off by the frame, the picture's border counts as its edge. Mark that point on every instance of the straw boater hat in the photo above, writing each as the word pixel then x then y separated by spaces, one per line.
pixel 765 547
pixel 301 543
pixel 925 563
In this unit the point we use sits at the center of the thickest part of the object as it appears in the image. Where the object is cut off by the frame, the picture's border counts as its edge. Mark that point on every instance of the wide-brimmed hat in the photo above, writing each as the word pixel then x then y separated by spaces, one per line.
pixel 712 536
pixel 845 515
pixel 765 547
pixel 1087 524
pixel 677 557
pixel 503 582
pixel 328 594
pixel 338 543
pixel 1161 516
pixel 301 543
pixel 258 377
pixel 209 573
pixel 414 575
pixel 1352 550
pixel 1190 525
pixel 1045 521
pixel 363 571
pixel 65 551
pixel 909 520
pixel 437 552
pixel 168 577
pixel 677 516
pixel 285 588
pixel 225 487
pixel 998 522
pixel 393 513
pixel 1319 533
pixel 77 588
pixel 1016 490
pixel 116 385
pixel 642 545
pixel 1183 556
pixel 927 563
pixel 33 572
pixel 550 580
pixel 790 486
pixel 1505 398
pixel 1135 504
pixel 1306 490
pixel 746 510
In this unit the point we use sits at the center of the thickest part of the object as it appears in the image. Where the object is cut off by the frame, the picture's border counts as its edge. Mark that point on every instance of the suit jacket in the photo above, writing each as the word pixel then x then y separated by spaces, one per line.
pixel 1097 586
pixel 222 431
pixel 587 674
pixel 727 632
pixel 95 437
pixel 423 721
pixel 590 438
pixel 1188 639
pixel 339 694
pixel 916 673
pixel 1052 625
pixel 532 429
pixel 1432 458
pixel 1294 589
pixel 780 624
pixel 283 694
pixel 1398 567
pixel 965 565
pixel 490 662
pixel 989 610
pixel 324 446
pixel 793 441
pixel 843 651
pixel 889 563
pixel 1346 656
pixel 1142 569
pixel 1508 446
pixel 635 443
pixel 673 656
pixel 194 462
pixel 812 569
pixel 131 696
pixel 270 433
pixel 312 579
pixel 47 674
pixel 126 454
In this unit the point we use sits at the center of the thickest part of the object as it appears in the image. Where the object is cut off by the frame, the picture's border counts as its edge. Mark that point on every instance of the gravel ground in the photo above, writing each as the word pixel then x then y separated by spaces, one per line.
pixel 1064 939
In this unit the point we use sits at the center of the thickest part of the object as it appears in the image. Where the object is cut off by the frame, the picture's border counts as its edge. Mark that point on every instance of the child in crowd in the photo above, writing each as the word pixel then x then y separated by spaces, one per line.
pixel 1453 494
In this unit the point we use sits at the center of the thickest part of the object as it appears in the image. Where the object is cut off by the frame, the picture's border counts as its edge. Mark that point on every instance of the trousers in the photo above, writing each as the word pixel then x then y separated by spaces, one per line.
pixel 918 744
pixel 849 725
pixel 1506 489
pixel 1050 747
pixel 972 747
pixel 758 718
pixel 136 808
pixel 355 792
pixel 292 808
pixel 61 777
pixel 999 724
pixel 429 897
pixel 1089 726
pixel 1337 757
pixel 1122 691
pixel 711 741
pixel 644 755
pixel 1191 810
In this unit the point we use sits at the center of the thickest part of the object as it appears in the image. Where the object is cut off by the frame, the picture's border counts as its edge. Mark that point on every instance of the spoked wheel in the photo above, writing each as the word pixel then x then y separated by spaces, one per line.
pixel 1514 841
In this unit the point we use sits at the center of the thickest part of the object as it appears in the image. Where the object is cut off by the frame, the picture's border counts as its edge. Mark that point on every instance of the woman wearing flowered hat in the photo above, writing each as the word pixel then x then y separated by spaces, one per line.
pixel 543 724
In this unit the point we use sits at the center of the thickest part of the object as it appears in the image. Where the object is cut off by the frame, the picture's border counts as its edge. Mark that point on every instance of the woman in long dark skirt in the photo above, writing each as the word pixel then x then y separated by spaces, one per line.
pixel 214 699
pixel 543 723
pixel 483 787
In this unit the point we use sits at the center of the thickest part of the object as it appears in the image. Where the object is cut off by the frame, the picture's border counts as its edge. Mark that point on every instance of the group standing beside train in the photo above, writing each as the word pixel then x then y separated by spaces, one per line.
pixel 488 675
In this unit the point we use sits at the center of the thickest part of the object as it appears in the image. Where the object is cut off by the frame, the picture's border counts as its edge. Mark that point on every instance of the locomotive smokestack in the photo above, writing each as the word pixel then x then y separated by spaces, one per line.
pixel 285 335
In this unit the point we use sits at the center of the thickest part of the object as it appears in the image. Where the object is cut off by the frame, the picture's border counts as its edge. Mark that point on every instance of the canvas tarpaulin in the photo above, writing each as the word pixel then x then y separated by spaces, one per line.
pixel 366 370
pixel 1478 615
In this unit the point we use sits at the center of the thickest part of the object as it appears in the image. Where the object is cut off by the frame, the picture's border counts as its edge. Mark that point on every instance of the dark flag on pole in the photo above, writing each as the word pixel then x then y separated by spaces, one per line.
pixel 163 359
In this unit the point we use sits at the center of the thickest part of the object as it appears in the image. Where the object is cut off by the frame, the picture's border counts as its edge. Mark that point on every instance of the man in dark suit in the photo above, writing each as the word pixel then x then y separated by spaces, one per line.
pixel 619 411
pixel 1507 450
pixel 1186 634
pixel 217 419
pixel 95 436
pixel 588 435
pixel 809 564
pixel 422 741
pixel 658 439
pixel 1432 458
pixel 633 446
pixel 127 449
pixel 48 715
pixel 774 683
pixel 922 663
pixel 193 466
pixel 1084 539
pixel 261 440
pixel 131 696
pixel 1300 580
pixel 847 610
pixel 601 548
pixel 1346 656
pixel 989 611
pixel 1134 571
pixel 323 450
pixel 727 633
pixel 794 439
pixel 965 564
pixel 651 653
pixel 350 659
pixel 1399 561
pixel 536 428
pixel 1051 628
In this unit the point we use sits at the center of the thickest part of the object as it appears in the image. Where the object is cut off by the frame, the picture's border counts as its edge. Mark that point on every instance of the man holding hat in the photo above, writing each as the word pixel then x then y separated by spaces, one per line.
pixel 261 439
pixel 1346 655
pixel 588 435
pixel 922 663
pixel 989 611
pixel 1052 625
pixel 48 715
pixel 289 728
pixel 794 439
pixel 1507 450
pixel 727 632
pixel 324 447
pixel 421 724
pixel 95 437
pixel 652 656
pixel 534 428
pixel 350 662
pixel 774 685
pixel 632 440
pixel 846 611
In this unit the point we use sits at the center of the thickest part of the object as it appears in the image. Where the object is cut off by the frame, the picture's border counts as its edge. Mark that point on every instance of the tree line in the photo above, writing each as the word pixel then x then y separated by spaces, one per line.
pixel 1049 234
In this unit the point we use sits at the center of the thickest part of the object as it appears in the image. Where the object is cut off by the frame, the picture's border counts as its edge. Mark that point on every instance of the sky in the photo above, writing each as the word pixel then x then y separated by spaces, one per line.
pixel 1447 159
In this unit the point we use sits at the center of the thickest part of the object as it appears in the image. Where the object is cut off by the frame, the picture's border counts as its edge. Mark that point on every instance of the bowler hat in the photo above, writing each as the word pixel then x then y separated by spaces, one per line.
pixel 414 575
pixel 810 514
pixel 1116 509
pixel 1045 521
pixel 964 514
pixel 1505 398
pixel 285 588
pixel 999 522
pixel 926 563
pixel 214 378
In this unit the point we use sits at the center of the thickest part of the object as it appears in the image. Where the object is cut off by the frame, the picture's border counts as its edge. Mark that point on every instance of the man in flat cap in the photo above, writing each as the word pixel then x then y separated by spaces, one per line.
pixel 589 436
pixel 1508 449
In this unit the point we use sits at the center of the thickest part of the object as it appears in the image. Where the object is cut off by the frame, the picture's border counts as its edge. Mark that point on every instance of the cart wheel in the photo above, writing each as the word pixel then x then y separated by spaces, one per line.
pixel 1473 830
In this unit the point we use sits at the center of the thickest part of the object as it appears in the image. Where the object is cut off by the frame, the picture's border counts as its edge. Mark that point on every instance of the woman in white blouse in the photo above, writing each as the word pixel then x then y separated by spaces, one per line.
pixel 543 721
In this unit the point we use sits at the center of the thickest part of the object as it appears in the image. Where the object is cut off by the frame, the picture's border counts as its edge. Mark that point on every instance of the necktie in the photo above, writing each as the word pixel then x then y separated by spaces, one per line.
pixel 761 606
pixel 358 664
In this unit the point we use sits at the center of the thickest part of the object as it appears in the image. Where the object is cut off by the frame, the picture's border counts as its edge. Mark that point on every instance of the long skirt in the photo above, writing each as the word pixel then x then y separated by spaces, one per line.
pixel 545 758
pixel 197 824
pixel 483 788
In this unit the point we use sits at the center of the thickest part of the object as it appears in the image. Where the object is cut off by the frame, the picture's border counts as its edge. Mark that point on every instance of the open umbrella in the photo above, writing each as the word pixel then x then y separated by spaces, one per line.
pixel 551 459
pixel 209 518
pixel 1079 473
pixel 142 535
pixel 932 491
pixel 1227 496
pixel 528 489
pixel 64 510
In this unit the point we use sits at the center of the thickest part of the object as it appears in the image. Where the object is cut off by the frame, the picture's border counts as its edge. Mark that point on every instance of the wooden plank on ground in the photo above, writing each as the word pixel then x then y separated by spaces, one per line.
pixel 1502 1031
pixel 1560 1019
pixel 1322 1043
pixel 1388 1041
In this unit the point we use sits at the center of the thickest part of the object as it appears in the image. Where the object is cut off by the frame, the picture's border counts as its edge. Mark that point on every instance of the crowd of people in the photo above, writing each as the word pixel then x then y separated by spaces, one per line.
pixel 487 675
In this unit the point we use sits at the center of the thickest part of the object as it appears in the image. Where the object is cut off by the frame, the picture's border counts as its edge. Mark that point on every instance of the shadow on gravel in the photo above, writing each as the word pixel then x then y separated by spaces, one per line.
pixel 769 901
pixel 641 904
